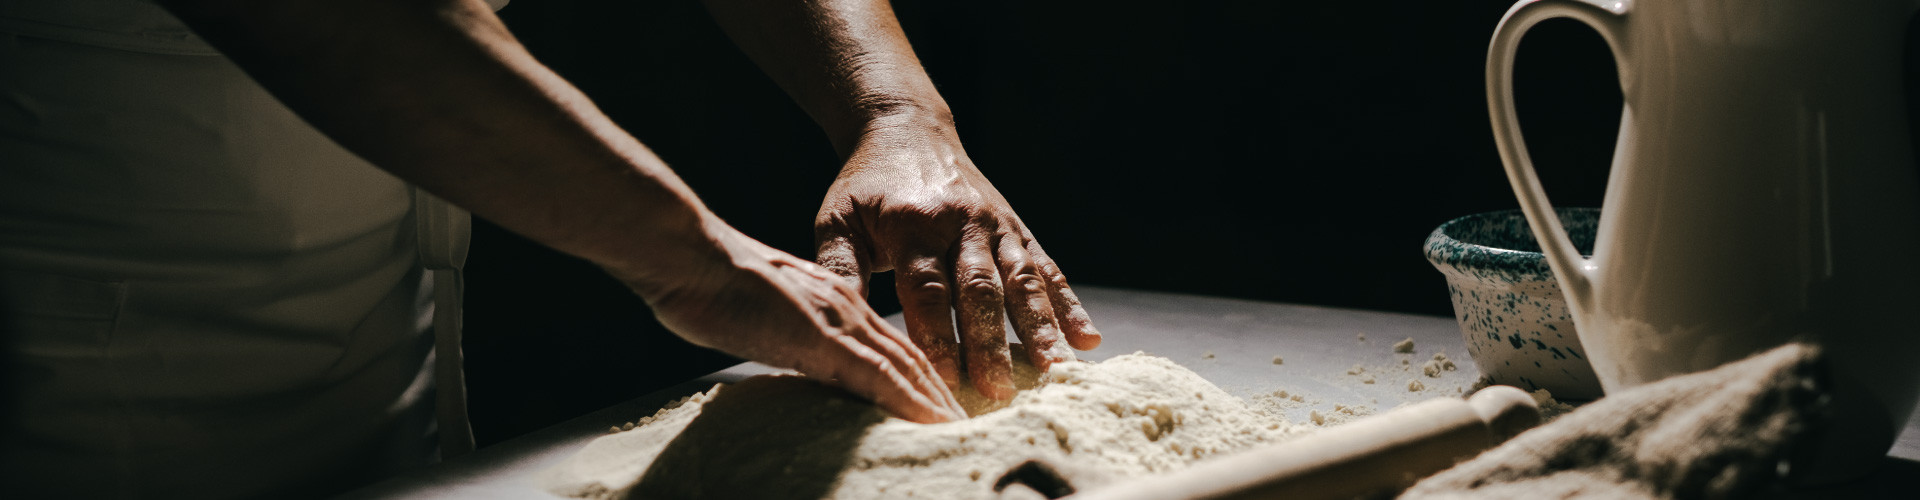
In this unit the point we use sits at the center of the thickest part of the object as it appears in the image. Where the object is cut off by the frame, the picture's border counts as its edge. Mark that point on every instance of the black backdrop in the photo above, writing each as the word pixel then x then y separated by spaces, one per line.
pixel 1284 151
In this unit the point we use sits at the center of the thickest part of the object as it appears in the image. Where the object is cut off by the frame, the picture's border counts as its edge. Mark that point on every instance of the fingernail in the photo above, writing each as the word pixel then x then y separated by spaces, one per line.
pixel 1089 338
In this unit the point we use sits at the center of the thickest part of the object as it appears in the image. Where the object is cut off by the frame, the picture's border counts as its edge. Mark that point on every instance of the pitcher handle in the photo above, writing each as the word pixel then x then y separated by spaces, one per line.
pixel 1574 272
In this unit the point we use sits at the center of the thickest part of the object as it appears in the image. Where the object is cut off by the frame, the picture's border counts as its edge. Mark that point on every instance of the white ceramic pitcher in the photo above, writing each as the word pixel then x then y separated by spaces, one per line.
pixel 1762 189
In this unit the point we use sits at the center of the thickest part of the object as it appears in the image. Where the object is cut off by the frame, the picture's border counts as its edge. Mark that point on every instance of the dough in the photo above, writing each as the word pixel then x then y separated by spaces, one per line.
pixel 788 437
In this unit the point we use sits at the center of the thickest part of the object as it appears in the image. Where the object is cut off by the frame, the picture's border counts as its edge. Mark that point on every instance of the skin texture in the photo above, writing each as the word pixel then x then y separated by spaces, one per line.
pixel 908 199
pixel 440 94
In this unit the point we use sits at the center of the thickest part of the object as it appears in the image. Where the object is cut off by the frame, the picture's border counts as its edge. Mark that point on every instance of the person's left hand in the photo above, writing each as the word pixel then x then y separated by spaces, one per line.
pixel 909 200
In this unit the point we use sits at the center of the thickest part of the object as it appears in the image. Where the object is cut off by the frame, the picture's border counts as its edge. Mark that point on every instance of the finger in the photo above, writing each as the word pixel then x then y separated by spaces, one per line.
pixel 983 338
pixel 838 253
pixel 896 345
pixel 864 371
pixel 1074 322
pixel 1028 303
pixel 887 340
pixel 927 303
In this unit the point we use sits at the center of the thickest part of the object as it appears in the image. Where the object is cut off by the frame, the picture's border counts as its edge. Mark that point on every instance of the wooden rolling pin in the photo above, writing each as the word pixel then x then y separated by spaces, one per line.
pixel 1382 454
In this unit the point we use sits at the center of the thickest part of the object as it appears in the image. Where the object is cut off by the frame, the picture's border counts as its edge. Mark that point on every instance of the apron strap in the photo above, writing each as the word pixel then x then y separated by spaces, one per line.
pixel 443 232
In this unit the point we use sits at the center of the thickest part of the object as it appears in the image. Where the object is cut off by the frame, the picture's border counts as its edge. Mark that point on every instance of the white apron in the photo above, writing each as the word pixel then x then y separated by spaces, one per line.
pixel 205 297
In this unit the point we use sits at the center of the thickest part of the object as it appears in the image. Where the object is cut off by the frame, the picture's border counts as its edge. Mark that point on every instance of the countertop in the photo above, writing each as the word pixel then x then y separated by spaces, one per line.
pixel 1229 341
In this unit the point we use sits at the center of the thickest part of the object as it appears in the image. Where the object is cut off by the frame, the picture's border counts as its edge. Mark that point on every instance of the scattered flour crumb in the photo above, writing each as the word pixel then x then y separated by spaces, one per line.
pixel 1438 378
pixel 1277 401
pixel 1439 363
pixel 1414 385
pixel 1345 413
pixel 1550 408
pixel 1339 415
pixel 1362 336
pixel 1361 372
pixel 1404 345
pixel 1277 360
pixel 1206 355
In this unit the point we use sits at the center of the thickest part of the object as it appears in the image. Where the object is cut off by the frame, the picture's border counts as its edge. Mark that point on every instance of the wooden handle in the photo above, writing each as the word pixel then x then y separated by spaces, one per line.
pixel 1383 453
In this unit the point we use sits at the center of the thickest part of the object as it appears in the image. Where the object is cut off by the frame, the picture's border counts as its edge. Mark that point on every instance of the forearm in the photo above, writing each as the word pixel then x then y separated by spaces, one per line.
pixel 846 62
pixel 438 93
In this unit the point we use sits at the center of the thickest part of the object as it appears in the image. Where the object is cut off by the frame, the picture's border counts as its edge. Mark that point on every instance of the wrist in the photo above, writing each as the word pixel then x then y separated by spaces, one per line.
pixel 896 120
pixel 673 257
pixel 917 129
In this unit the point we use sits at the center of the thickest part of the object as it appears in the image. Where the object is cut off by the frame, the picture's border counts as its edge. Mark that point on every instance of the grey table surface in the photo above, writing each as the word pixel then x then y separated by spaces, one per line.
pixel 1229 341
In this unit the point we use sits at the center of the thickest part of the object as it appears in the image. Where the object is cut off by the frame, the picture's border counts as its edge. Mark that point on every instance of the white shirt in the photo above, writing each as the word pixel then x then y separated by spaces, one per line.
pixel 207 298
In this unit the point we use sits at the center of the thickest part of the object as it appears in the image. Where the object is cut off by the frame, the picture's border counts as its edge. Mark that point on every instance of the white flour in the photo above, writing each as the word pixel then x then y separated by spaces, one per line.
pixel 786 437
pixel 1097 423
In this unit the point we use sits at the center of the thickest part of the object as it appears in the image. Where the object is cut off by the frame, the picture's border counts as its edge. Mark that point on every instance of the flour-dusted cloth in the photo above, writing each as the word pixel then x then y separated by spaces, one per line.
pixel 1715 434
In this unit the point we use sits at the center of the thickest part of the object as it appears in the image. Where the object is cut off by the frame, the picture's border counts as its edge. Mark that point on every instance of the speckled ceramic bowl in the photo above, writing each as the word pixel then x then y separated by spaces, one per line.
pixel 1509 306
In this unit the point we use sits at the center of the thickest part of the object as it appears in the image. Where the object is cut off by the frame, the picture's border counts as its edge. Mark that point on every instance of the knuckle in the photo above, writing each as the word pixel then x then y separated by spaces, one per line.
pixel 923 210
pixel 931 293
pixel 860 352
pixel 923 275
pixel 813 269
pixel 985 219
pixel 1027 282
pixel 1018 265
pixel 832 220
pixel 827 225
pixel 980 287
pixel 882 364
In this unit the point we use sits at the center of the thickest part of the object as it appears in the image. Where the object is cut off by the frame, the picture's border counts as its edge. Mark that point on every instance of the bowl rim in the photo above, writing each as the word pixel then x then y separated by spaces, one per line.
pixel 1455 257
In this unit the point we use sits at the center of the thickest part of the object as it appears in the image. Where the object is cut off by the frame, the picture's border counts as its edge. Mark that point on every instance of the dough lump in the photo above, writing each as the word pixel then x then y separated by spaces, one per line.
pixel 789 437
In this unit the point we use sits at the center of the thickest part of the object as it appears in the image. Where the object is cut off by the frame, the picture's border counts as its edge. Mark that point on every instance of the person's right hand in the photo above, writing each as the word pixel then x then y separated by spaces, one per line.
pixel 910 201
pixel 762 304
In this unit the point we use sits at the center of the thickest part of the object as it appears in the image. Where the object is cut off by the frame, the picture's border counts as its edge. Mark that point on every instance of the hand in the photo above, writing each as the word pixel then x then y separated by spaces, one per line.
pixel 759 303
pixel 909 200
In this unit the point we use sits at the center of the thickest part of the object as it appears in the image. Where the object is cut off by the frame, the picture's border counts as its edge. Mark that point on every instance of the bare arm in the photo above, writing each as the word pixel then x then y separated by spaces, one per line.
pixel 846 62
pixel 909 199
pixel 439 93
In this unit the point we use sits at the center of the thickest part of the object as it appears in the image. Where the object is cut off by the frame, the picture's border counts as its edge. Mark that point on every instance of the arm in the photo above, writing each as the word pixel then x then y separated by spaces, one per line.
pixel 438 93
pixel 908 199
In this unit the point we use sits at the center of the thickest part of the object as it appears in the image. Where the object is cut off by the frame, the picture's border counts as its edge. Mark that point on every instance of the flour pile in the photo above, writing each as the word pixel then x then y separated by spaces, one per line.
pixel 787 437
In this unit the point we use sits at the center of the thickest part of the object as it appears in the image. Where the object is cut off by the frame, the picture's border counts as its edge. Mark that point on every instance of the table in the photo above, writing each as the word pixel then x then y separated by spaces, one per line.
pixel 1229 341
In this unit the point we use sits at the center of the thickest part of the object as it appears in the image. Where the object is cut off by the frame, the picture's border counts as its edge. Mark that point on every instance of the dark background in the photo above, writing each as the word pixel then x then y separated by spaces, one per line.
pixel 1280 151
